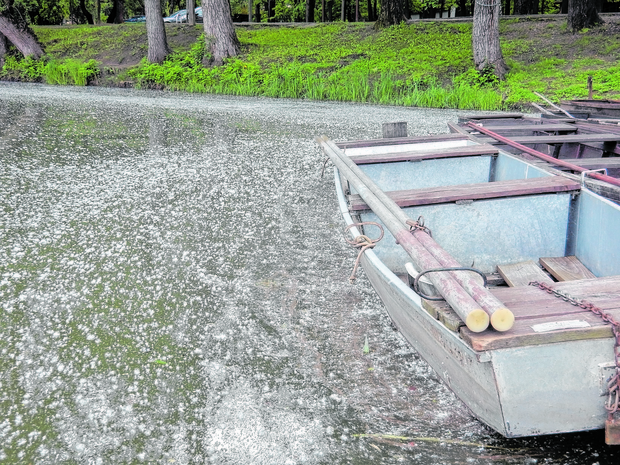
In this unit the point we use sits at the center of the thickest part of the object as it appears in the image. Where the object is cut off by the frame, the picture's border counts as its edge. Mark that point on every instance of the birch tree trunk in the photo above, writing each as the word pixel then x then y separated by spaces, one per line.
pixel 155 32
pixel 21 36
pixel 485 38
pixel 582 14
pixel 220 35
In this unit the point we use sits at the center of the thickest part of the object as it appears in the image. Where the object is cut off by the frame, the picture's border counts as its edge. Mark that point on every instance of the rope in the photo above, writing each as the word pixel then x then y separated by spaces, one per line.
pixel 362 241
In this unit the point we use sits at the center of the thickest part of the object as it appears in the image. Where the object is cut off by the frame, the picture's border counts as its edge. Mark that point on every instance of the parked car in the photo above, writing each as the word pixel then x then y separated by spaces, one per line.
pixel 176 17
pixel 181 16
pixel 136 19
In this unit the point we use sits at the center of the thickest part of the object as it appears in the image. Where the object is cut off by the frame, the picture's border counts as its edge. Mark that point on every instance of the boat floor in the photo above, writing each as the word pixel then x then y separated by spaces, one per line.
pixel 541 317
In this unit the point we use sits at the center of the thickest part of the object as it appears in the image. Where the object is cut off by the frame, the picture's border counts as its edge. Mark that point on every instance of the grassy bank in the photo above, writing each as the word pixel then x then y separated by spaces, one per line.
pixel 425 64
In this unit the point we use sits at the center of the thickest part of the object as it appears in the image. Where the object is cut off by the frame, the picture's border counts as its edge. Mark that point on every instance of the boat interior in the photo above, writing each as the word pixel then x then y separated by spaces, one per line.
pixel 510 218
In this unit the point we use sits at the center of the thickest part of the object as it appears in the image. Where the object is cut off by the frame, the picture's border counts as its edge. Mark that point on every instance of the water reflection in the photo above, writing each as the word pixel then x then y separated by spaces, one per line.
pixel 174 289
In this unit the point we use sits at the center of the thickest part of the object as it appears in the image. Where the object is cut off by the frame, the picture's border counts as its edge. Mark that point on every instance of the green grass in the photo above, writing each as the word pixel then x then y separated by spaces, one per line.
pixel 425 64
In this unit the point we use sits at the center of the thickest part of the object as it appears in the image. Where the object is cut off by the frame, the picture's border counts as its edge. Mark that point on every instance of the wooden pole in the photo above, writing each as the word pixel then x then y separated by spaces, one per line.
pixel 502 318
pixel 590 91
pixel 464 305
pixel 249 11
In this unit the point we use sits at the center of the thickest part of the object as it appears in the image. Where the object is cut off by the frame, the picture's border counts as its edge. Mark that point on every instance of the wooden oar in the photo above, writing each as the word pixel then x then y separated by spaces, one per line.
pixel 464 305
pixel 502 319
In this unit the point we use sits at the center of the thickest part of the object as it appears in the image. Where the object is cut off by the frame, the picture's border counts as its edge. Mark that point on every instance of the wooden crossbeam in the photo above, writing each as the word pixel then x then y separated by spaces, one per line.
pixel 559 139
pixel 551 127
pixel 487 190
pixel 400 141
pixel 464 151
pixel 596 163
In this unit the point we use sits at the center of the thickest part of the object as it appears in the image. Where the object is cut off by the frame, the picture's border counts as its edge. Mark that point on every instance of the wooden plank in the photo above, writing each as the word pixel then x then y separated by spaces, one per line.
pixel 493 116
pixel 400 141
pixel 547 127
pixel 441 311
pixel 566 268
pixel 596 163
pixel 559 139
pixel 533 306
pixel 487 190
pixel 464 151
pixel 522 333
pixel 521 274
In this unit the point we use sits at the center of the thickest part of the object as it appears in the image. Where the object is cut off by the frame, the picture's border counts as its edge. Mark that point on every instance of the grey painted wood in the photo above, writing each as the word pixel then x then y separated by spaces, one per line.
pixel 397 129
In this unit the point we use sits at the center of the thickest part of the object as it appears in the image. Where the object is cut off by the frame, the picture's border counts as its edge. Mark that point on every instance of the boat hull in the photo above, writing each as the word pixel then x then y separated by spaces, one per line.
pixel 522 391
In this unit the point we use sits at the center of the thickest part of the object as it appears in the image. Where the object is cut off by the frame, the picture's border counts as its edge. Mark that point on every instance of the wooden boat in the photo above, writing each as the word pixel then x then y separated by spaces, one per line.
pixel 516 222
pixel 590 145
pixel 593 107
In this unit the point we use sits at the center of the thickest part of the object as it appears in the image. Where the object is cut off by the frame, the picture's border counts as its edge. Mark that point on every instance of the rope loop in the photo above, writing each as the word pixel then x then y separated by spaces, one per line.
pixel 362 241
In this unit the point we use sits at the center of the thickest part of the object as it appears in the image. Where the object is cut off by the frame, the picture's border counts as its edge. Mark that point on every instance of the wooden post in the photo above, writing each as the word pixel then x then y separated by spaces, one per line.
pixel 398 129
pixel 590 92
pixel 249 11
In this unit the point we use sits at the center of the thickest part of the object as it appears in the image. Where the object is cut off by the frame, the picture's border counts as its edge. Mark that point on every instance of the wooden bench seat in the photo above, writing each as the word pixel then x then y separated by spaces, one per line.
pixel 400 141
pixel 487 190
pixel 552 127
pixel 559 139
pixel 534 307
pixel 464 151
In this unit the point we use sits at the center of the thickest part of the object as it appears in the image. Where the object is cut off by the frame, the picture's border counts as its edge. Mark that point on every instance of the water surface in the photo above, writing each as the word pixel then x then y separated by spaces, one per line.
pixel 174 289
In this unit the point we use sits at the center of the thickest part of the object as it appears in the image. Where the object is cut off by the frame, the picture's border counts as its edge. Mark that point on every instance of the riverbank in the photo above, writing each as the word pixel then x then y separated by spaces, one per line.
pixel 425 64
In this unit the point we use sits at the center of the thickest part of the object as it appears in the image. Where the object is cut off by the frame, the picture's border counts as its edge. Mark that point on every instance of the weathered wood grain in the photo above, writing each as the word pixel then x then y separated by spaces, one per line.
pixel 399 141
pixel 465 151
pixel 487 190
pixel 522 333
pixel 526 126
pixel 559 139
pixel 523 273
pixel 566 268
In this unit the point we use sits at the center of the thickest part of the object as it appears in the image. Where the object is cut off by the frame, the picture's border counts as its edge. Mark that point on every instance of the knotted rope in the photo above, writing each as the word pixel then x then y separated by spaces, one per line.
pixel 362 241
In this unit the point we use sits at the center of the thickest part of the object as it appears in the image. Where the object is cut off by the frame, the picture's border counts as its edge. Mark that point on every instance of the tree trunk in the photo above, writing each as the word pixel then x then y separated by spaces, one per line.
pixel 221 38
pixel 3 48
pixel 22 37
pixel 97 18
pixel 191 14
pixel 582 14
pixel 343 10
pixel 116 15
pixel 249 11
pixel 369 7
pixel 257 15
pixel 463 10
pixel 155 32
pixel 310 5
pixel 485 39
pixel 86 13
pixel 392 12
pixel 270 4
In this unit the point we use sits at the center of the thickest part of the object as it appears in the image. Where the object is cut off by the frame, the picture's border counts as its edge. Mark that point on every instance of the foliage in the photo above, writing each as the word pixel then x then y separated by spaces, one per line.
pixel 52 71
pixel 425 64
